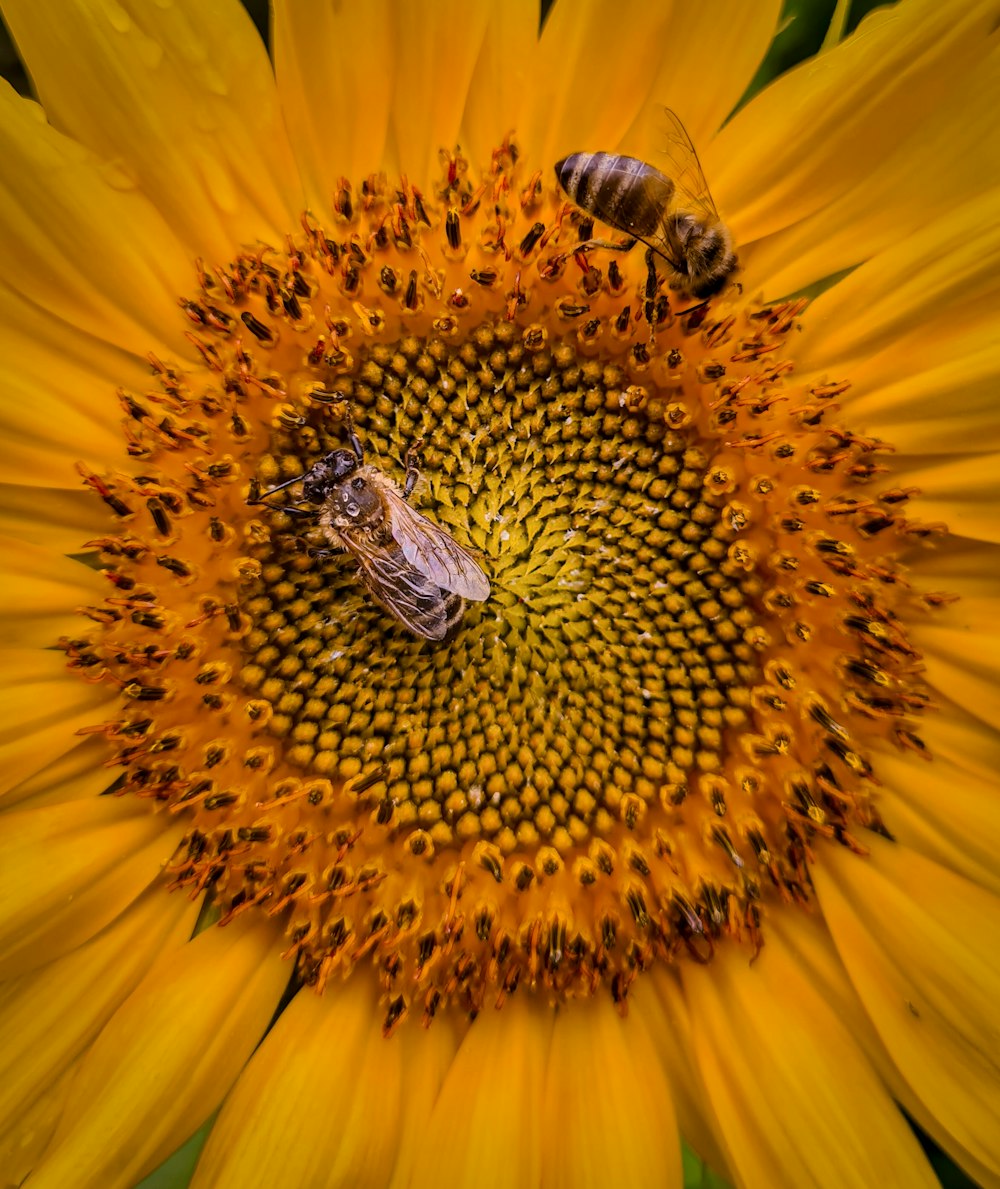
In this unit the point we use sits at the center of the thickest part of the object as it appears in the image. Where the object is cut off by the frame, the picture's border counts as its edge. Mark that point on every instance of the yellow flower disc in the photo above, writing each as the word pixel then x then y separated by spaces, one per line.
pixel 693 638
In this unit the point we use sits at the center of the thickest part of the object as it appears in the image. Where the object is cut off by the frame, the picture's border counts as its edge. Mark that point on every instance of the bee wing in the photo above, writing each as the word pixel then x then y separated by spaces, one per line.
pixel 658 194
pixel 434 553
pixel 684 169
pixel 402 589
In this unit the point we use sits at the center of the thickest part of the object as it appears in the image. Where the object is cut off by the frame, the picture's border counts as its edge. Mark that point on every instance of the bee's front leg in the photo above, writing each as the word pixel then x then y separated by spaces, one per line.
pixel 352 437
pixel 412 464
pixel 258 498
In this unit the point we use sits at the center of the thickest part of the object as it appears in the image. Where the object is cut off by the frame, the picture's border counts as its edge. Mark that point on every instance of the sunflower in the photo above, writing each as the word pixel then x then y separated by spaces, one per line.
pixel 687 829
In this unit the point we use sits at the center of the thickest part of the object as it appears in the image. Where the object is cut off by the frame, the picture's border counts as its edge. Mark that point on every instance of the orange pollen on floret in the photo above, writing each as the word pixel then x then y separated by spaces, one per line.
pixel 627 753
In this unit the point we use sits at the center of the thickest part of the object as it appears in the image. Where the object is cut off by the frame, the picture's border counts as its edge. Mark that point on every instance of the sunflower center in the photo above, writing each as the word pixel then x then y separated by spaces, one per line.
pixel 610 656
pixel 692 636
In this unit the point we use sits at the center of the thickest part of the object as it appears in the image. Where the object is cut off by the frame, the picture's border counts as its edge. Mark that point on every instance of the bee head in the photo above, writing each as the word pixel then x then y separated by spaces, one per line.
pixel 332 469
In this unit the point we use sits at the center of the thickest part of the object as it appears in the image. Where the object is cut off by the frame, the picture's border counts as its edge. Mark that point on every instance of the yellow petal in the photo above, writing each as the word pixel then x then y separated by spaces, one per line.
pixel 806 941
pixel 943 804
pixel 486 1126
pixel 947 408
pixel 966 568
pixel 708 55
pixel 49 1017
pixel 964 494
pixel 81 242
pixel 68 870
pixel 23 1142
pixel 319 1103
pixel 427 1054
pixel 607 1101
pixel 796 1099
pixel 182 97
pixel 333 65
pixel 951 156
pixel 919 944
pixel 924 390
pixel 942 813
pixel 822 128
pixel 665 1012
pixel 968 614
pixel 60 521
pixel 503 78
pixel 59 395
pixel 573 103
pixel 963 740
pixel 330 1049
pixel 603 77
pixel 964 667
pixel 42 709
pixel 77 775
pixel 953 261
pixel 809 940
pixel 167 1058
pixel 435 50
pixel 41 594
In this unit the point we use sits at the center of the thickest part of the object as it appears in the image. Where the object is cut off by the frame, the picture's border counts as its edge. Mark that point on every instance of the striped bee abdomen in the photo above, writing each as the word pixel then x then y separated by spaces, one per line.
pixel 623 192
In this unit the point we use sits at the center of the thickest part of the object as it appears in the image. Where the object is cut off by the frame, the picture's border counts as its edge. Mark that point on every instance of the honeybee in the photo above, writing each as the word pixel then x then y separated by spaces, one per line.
pixel 411 566
pixel 672 215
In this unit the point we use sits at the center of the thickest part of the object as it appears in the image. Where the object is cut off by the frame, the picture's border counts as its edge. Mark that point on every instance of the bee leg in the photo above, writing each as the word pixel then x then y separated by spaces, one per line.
pixel 294 509
pixel 412 463
pixel 652 284
pixel 353 438
pixel 257 496
pixel 588 245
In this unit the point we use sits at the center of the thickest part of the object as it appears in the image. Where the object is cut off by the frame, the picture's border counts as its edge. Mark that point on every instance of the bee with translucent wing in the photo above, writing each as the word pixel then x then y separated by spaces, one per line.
pixel 672 214
pixel 411 566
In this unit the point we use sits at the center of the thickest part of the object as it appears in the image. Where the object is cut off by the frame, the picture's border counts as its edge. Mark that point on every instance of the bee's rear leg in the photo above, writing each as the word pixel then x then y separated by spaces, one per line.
pixel 412 464
pixel 588 245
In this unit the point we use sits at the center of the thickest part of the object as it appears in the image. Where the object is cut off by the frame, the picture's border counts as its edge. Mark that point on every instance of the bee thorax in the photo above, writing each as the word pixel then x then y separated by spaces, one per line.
pixel 710 260
pixel 353 505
